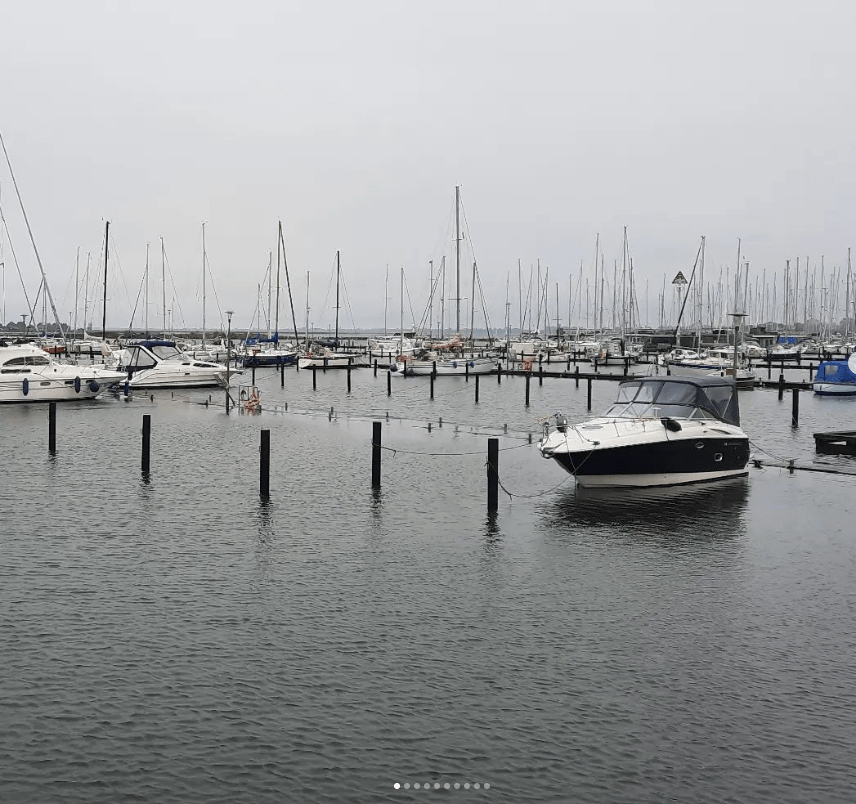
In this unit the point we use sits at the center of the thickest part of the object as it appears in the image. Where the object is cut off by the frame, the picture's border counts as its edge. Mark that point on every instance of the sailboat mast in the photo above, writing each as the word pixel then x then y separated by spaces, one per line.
pixel 203 284
pixel 401 329
pixel 163 282
pixel 430 298
pixel 338 271
pixel 307 308
pixel 458 257
pixel 146 306
pixel 278 257
pixel 104 308
pixel 443 297
pixel 76 288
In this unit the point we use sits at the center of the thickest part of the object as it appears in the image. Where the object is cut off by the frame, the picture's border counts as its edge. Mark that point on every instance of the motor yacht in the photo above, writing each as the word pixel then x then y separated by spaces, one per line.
pixel 29 374
pixel 161 364
pixel 660 431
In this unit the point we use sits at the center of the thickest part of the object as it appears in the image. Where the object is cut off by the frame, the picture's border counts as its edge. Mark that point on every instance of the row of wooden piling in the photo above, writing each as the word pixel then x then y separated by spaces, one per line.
pixel 264 457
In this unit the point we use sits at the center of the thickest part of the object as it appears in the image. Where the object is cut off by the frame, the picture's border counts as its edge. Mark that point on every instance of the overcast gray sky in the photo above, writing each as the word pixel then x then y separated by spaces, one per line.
pixel 352 122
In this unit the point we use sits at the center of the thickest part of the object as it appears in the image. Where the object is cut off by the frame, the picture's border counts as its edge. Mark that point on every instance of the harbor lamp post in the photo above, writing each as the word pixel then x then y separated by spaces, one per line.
pixel 737 322
pixel 228 356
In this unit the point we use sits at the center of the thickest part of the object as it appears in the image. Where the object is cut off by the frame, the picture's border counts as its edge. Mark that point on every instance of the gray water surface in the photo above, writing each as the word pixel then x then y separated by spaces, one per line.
pixel 176 639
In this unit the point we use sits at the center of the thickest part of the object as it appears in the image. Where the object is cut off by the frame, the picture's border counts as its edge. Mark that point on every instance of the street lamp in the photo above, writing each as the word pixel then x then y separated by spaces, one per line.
pixel 737 322
pixel 229 314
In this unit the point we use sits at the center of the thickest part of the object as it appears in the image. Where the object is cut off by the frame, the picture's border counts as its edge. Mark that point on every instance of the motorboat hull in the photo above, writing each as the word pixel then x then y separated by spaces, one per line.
pixel 677 462
pixel 153 378
pixel 834 388
pixel 66 387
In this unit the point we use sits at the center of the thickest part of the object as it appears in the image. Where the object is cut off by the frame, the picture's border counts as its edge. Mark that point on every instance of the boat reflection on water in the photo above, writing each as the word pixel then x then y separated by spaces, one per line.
pixel 708 511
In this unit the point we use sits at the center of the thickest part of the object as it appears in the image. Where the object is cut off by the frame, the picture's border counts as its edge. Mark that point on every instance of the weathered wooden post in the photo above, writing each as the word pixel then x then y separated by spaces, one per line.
pixel 528 377
pixel 499 374
pixel 264 465
pixel 376 447
pixel 540 372
pixel 254 374
pixel 314 378
pixel 432 384
pixel 467 370
pixel 375 367
pixel 795 408
pixel 492 475
pixel 781 385
pixel 282 374
pixel 389 382
pixel 477 389
pixel 52 427
pixel 349 378
pixel 147 443
pixel 588 395
pixel 577 375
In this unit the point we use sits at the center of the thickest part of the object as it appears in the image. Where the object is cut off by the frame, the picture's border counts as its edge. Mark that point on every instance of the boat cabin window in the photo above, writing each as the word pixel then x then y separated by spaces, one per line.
pixel 141 359
pixel 829 370
pixel 28 360
pixel 166 352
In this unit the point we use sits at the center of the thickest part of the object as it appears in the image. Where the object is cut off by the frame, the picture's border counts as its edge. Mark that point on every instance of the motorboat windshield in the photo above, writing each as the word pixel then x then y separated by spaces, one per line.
pixel 167 352
pixel 653 398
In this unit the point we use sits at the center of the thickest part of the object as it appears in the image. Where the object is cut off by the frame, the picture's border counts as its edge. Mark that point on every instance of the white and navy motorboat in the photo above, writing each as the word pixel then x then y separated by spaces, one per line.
pixel 661 431
pixel 835 378
pixel 29 374
pixel 161 364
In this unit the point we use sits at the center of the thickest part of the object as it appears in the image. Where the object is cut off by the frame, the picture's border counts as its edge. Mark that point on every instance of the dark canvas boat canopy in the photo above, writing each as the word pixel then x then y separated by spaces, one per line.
pixel 678 397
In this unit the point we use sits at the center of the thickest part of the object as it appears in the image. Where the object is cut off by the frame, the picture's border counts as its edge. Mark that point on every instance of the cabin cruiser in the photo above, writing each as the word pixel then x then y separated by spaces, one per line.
pixel 29 374
pixel 161 364
pixel 835 378
pixel 661 431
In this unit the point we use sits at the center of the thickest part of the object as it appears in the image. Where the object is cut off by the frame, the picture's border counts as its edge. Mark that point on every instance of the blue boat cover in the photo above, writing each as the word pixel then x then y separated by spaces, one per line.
pixel 835 371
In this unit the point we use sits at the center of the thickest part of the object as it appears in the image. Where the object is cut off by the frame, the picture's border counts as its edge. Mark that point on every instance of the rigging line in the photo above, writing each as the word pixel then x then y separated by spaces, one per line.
pixel 32 239
pixel 17 265
pixel 174 289
pixel 214 289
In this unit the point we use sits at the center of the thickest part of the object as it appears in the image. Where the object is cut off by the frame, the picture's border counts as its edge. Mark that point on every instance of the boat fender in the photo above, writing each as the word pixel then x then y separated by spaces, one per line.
pixel 671 424
pixel 26 388
pixel 94 387
pixel 561 423
pixel 394 367
pixel 454 365
pixel 77 385
pixel 127 388
pixel 472 364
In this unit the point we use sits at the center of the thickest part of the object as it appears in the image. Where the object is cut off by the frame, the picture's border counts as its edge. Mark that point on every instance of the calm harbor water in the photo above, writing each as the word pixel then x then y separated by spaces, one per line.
pixel 175 639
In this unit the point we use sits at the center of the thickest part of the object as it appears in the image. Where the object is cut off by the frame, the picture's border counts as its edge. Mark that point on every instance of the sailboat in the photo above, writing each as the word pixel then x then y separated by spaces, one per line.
pixel 325 357
pixel 449 359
